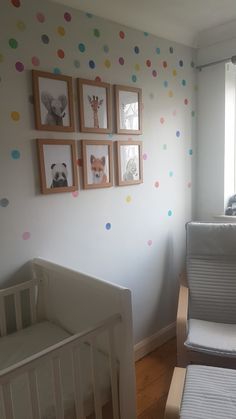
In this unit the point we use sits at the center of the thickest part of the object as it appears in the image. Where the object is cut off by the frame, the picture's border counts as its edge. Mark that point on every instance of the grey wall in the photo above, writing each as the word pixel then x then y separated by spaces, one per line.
pixel 144 249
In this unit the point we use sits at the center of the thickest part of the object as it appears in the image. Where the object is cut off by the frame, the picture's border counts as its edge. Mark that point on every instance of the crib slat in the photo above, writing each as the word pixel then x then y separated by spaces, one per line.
pixel 3 326
pixel 76 368
pixel 32 304
pixel 58 388
pixel 95 380
pixel 17 302
pixel 34 396
pixel 7 401
pixel 113 373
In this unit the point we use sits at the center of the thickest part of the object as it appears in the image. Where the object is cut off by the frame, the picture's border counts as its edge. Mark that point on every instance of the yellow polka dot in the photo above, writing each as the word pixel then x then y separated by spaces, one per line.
pixel 61 31
pixel 15 116
pixel 137 67
pixel 170 93
pixel 1 58
pixel 20 25
pixel 107 63
pixel 174 72
pixel 128 199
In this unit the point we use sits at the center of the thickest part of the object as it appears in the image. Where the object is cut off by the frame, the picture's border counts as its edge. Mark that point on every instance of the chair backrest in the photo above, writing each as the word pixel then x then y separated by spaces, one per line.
pixel 211 271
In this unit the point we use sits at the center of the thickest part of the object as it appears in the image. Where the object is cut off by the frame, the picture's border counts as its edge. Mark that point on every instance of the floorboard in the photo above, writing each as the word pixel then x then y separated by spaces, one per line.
pixel 153 377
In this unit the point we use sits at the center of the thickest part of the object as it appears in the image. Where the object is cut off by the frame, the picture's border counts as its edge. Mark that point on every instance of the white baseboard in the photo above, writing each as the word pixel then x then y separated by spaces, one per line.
pixel 149 344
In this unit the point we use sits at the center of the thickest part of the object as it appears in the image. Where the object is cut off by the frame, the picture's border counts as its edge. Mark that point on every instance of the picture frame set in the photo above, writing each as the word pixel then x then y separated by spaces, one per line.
pixel 54 112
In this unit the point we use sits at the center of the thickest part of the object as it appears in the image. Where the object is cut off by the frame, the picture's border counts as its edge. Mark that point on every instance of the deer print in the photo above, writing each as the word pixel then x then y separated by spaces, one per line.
pixel 95 105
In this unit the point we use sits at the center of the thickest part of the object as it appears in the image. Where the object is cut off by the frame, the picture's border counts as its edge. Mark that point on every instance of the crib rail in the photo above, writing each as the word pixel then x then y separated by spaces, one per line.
pixel 15 292
pixel 72 346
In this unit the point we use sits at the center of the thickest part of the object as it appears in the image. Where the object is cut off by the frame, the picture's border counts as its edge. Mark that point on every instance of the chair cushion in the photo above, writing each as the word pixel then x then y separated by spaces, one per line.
pixel 211 271
pixel 209 393
pixel 212 338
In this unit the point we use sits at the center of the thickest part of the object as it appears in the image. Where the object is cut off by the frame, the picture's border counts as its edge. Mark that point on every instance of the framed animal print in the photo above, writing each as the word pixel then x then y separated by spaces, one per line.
pixel 57 166
pixel 129 162
pixel 53 104
pixel 128 110
pixel 97 164
pixel 94 106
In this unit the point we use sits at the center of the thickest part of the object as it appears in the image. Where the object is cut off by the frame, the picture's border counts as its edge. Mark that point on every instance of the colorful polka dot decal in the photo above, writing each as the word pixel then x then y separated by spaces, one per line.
pixel 26 235
pixel 16 3
pixel 81 47
pixel 15 116
pixel 19 66
pixel 170 213
pixel 157 184
pixel 75 194
pixel 45 39
pixel 15 154
pixel 96 33
pixel 108 226
pixel 13 43
pixel 21 26
pixel 128 199
pixel 40 17
pixel 122 35
pixel 67 16
pixel 4 202
pixel 149 243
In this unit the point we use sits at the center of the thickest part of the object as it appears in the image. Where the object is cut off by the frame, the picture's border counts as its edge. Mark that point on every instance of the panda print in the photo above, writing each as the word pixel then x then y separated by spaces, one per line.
pixel 59 175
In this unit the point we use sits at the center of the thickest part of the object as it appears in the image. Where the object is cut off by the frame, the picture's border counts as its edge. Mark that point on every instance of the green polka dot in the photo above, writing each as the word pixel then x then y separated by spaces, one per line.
pixel 13 43
pixel 96 33
pixel 134 78
pixel 81 47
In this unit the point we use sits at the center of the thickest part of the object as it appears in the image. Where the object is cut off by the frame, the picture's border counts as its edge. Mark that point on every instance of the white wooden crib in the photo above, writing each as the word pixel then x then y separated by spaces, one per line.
pixel 66 347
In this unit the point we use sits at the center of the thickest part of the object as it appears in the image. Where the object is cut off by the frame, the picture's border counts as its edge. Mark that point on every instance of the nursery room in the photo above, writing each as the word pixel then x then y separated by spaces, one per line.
pixel 117 209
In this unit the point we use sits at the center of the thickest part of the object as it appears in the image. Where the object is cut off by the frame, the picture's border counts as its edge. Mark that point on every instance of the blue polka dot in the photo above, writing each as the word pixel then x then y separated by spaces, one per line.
pixel 181 63
pixel 158 51
pixel 45 39
pixel 136 50
pixel 165 83
pixel 108 226
pixel 106 48
pixel 145 33
pixel 89 15
pixel 15 154
pixel 81 47
pixel 56 70
pixel 4 202
pixel 92 64
pixel 177 134
pixel 76 63
pixel 170 213
pixel 183 82
pixel 171 174
pixel 190 152
pixel 134 78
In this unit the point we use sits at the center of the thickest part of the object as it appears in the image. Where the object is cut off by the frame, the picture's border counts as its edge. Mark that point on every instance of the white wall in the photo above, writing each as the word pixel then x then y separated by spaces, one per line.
pixel 144 249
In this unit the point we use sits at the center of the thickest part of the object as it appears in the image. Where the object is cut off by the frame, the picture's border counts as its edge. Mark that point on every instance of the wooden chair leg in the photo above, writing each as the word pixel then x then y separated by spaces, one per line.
pixel 174 398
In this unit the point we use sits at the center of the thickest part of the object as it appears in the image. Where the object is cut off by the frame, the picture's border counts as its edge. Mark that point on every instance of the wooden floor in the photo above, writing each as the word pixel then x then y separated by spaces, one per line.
pixel 153 377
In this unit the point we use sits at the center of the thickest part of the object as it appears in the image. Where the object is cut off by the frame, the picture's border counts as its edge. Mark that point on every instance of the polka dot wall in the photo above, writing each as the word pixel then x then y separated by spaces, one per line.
pixel 130 225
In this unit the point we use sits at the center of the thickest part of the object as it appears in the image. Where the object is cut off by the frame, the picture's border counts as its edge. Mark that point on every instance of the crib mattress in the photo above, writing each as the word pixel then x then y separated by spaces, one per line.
pixel 29 341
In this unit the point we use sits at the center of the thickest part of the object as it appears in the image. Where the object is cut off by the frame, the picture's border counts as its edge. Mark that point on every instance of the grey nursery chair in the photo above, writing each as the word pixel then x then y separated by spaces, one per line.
pixel 206 319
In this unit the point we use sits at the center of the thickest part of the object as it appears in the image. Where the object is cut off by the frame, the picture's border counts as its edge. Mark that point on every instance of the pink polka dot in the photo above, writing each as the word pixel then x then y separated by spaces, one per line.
pixel 145 156
pixel 157 184
pixel 80 162
pixel 35 61
pixel 26 235
pixel 67 16
pixel 75 194
pixel 162 120
pixel 40 17
pixel 98 79
pixel 186 101
pixel 122 34
pixel 149 242
pixel 148 63
pixel 19 66
pixel 121 61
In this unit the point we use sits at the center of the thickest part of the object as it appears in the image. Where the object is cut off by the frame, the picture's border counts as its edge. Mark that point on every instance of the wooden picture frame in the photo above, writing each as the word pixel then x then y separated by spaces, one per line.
pixel 94 106
pixel 129 162
pixel 128 102
pixel 97 164
pixel 53 102
pixel 57 166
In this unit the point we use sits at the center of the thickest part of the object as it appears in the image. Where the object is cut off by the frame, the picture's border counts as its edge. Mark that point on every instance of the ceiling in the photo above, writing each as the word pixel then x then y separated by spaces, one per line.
pixel 182 21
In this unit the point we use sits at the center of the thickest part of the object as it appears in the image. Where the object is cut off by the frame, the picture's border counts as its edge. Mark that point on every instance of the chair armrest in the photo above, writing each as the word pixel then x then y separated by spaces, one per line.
pixel 182 323
pixel 174 399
